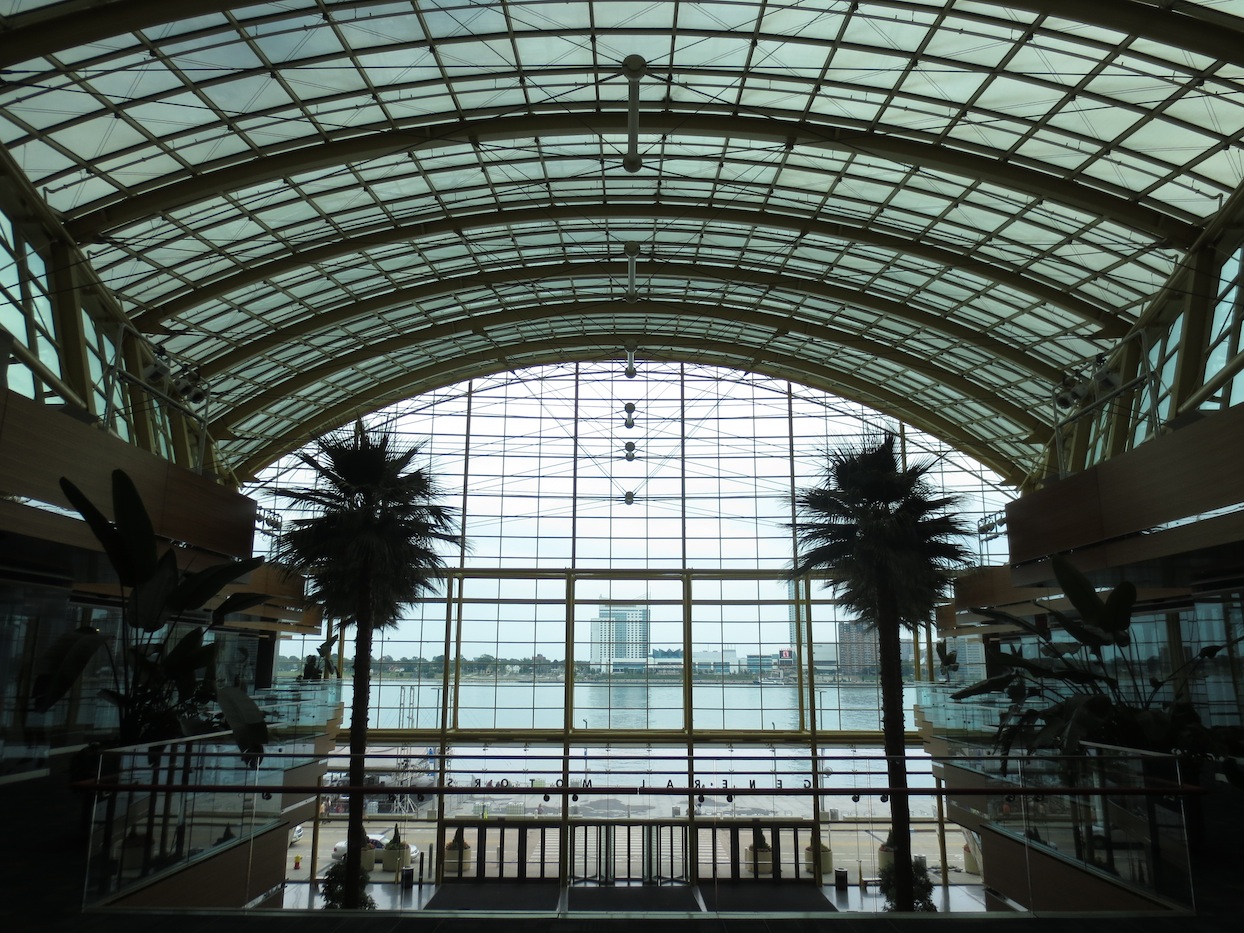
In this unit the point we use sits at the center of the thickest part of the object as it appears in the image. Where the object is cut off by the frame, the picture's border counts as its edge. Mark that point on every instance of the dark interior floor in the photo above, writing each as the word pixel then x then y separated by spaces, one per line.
pixel 42 862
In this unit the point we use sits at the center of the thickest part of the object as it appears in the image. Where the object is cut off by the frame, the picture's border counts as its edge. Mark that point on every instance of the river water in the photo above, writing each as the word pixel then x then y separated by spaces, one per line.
pixel 541 705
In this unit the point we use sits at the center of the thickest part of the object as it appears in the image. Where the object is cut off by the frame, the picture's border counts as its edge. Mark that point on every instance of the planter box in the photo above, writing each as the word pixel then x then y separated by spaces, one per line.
pixel 885 858
pixel 393 859
pixel 760 861
pixel 827 861
pixel 453 859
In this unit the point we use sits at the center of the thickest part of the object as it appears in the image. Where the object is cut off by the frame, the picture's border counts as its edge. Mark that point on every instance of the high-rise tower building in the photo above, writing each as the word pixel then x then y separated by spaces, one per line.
pixel 857 649
pixel 620 637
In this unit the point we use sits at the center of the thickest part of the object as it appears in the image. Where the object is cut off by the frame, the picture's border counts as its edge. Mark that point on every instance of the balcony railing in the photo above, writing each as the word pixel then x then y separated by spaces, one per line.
pixel 1115 818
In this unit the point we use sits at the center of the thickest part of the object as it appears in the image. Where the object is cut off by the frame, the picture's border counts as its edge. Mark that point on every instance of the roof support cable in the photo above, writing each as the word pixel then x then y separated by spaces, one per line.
pixel 633 67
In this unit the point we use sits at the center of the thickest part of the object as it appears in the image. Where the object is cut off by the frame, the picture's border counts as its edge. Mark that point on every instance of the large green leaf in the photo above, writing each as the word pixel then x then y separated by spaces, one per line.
pixel 123 562
pixel 1089 714
pixel 1019 621
pixel 1117 614
pixel 133 524
pixel 1083 632
pixel 995 684
pixel 326 654
pixel 183 653
pixel 149 601
pixel 185 659
pixel 198 587
pixel 63 664
pixel 1077 588
pixel 236 602
pixel 1042 667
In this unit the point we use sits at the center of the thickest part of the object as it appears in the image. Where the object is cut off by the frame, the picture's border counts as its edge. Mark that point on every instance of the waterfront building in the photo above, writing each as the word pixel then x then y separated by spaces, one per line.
pixel 857 650
pixel 620 638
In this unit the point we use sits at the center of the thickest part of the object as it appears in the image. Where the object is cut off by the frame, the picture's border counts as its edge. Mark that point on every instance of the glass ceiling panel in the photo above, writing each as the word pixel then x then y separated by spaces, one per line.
pixel 1034 134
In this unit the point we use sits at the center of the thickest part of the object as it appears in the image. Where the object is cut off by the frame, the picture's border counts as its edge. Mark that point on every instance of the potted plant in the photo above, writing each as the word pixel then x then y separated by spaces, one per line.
pixel 165 682
pixel 885 854
pixel 759 853
pixel 922 886
pixel 396 853
pixel 818 852
pixel 333 888
pixel 948 661
pixel 1089 684
pixel 367 854
pixel 1071 692
pixel 456 849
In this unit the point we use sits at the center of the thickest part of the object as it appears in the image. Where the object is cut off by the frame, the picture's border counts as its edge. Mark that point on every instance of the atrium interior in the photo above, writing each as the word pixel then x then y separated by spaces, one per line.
pixel 628 274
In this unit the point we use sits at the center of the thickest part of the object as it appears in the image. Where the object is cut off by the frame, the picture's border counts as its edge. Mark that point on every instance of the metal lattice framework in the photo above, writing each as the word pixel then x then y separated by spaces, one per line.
pixel 934 207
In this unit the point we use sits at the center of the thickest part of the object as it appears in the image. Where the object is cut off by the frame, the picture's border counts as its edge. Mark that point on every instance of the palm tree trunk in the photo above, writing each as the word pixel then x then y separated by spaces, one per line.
pixel 890 664
pixel 356 833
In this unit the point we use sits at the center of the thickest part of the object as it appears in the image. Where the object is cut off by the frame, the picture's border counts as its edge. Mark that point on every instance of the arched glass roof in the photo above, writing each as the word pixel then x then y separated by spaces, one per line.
pixel 934 207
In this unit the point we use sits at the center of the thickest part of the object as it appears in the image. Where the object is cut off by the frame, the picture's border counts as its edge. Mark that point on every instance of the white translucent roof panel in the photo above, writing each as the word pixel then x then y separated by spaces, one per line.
pixel 938 206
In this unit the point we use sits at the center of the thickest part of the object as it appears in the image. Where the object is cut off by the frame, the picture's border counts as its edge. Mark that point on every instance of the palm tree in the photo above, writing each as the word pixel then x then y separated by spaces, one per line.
pixel 367 549
pixel 888 544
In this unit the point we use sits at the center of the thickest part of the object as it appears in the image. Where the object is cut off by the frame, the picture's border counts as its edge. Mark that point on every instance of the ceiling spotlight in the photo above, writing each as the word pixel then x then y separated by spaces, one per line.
pixel 1072 392
pixel 157 373
pixel 191 387
pixel 1107 379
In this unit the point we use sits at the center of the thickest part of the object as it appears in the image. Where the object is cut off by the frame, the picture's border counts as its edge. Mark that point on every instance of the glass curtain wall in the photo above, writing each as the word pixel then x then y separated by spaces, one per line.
pixel 625 578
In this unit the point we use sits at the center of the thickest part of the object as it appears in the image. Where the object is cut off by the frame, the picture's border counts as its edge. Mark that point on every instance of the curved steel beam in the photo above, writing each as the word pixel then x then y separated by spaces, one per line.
pixel 181 189
pixel 752 322
pixel 987 343
pixel 48 29
pixel 1111 327
pixel 587 347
